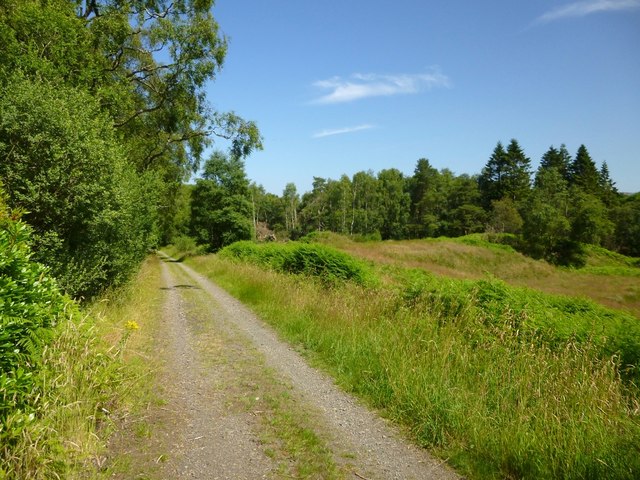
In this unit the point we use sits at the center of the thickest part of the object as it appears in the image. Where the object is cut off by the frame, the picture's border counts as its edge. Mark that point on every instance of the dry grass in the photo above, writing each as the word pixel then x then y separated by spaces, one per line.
pixel 454 259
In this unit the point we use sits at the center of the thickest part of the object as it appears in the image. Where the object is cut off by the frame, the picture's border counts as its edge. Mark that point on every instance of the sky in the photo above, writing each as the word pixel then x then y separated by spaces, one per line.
pixel 341 86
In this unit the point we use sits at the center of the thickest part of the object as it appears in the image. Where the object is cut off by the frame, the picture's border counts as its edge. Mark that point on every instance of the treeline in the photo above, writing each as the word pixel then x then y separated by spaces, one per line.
pixel 548 213
pixel 102 117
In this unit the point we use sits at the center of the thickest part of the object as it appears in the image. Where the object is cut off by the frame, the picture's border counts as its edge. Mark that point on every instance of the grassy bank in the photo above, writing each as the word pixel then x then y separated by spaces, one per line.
pixel 494 400
pixel 131 315
pixel 86 384
pixel 608 278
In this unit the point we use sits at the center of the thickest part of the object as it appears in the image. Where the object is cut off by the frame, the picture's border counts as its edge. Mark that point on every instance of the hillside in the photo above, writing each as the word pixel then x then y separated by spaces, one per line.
pixel 609 278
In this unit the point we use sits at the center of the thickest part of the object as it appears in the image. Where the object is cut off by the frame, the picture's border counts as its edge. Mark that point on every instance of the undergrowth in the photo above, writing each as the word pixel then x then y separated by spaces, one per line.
pixel 488 377
pixel 58 379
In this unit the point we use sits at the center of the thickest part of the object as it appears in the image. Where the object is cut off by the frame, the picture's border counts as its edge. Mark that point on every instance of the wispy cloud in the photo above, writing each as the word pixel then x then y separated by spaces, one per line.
pixel 587 7
pixel 340 131
pixel 360 86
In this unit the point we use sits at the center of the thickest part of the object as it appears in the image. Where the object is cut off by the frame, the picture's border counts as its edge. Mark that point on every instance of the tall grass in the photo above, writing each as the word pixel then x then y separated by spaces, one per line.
pixel 492 399
pixel 85 383
pixel 74 392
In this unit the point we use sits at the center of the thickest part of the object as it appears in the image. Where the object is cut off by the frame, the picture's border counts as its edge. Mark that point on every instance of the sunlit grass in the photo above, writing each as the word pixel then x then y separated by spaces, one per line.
pixel 493 401
pixel 609 278
pixel 89 381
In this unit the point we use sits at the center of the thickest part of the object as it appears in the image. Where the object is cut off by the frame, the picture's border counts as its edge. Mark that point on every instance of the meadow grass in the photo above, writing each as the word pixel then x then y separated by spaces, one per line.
pixel 86 384
pixel 492 399
pixel 608 278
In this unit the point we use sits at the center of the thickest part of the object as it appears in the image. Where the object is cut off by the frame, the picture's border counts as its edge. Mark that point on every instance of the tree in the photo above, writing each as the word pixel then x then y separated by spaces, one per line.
pixel 518 173
pixel 395 203
pixel 547 228
pixel 220 206
pixel 589 219
pixel 505 217
pixel 607 187
pixel 93 217
pixel 425 199
pixel 462 213
pixel 490 181
pixel 117 118
pixel 365 216
pixel 583 172
pixel 627 225
pixel 291 200
pixel 558 159
pixel 314 206
pixel 506 174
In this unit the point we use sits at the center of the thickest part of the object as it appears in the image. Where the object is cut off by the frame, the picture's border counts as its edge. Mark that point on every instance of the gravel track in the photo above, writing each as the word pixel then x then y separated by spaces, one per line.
pixel 214 443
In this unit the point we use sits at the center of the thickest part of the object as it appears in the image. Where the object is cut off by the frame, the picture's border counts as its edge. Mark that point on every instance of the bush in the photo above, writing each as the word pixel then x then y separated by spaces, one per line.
pixel 93 216
pixel 30 307
pixel 553 319
pixel 320 261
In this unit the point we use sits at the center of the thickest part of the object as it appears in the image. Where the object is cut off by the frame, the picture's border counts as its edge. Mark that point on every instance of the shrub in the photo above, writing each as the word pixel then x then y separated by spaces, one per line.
pixel 30 307
pixel 320 261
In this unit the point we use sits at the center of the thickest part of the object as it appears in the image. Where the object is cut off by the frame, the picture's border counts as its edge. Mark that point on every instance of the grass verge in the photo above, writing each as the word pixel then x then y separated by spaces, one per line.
pixel 493 401
pixel 86 384
pixel 130 318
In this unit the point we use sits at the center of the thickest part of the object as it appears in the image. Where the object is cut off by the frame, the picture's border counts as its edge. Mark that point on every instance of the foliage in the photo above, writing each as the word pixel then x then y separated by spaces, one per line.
pixel 103 113
pixel 52 377
pixel 220 207
pixel 93 217
pixel 553 218
pixel 319 261
pixel 505 217
pixel 627 225
pixel 30 307
pixel 394 204
pixel 506 175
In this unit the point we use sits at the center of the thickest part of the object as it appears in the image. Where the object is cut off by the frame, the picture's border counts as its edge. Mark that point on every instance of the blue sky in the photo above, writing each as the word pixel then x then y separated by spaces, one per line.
pixel 341 86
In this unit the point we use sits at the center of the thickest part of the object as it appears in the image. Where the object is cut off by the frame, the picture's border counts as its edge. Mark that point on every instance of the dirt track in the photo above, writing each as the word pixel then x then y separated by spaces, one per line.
pixel 220 358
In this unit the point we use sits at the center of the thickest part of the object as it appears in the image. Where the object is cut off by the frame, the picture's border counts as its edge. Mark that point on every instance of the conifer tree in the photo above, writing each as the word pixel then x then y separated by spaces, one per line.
pixel 490 181
pixel 583 172
pixel 560 159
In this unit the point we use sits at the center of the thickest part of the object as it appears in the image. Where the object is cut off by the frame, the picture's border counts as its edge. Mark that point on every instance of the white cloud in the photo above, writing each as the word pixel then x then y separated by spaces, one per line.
pixel 581 9
pixel 360 86
pixel 339 131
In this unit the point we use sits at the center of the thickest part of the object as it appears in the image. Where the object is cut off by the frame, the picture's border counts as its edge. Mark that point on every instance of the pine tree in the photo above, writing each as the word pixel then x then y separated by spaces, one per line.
pixel 608 190
pixel 506 175
pixel 583 172
pixel 518 173
pixel 490 181
pixel 558 159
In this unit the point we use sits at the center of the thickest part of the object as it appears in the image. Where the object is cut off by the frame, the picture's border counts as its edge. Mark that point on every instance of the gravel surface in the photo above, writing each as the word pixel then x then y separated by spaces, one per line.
pixel 207 439
pixel 214 443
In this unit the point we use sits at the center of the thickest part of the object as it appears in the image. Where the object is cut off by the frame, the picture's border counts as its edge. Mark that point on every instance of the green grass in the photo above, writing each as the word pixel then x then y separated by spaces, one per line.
pixel 319 261
pixel 83 386
pixel 468 367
